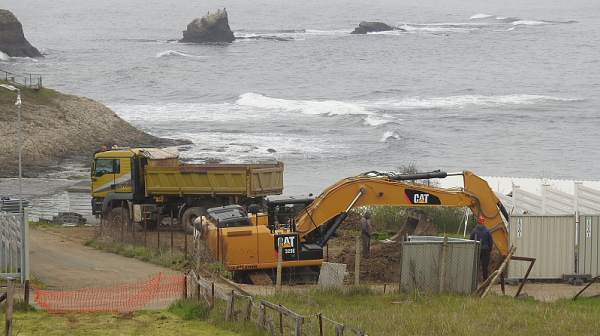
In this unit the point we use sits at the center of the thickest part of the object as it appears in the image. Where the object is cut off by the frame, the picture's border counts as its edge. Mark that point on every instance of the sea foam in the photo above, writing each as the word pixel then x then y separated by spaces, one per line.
pixel 480 16
pixel 314 107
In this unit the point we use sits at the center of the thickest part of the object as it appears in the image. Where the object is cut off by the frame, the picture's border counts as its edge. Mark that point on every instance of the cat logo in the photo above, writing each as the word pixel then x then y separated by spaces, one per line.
pixel 287 242
pixel 419 197
pixel 289 246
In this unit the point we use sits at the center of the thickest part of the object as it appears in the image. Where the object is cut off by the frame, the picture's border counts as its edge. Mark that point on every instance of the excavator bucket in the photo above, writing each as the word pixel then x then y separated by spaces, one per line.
pixel 418 223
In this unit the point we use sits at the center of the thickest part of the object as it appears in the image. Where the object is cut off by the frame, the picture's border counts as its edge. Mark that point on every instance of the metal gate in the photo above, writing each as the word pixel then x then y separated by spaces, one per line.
pixel 548 238
pixel 588 252
pixel 14 246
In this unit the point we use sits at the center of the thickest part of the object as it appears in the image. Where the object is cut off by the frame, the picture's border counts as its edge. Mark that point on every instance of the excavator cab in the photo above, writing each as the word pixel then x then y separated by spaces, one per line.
pixel 281 210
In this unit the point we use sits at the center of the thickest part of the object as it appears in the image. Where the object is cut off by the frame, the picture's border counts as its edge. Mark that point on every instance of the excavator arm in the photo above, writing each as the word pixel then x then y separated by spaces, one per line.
pixel 332 205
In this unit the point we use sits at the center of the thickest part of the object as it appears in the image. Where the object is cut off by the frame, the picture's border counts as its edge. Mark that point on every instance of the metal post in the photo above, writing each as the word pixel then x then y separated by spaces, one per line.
pixel 18 103
pixel 357 263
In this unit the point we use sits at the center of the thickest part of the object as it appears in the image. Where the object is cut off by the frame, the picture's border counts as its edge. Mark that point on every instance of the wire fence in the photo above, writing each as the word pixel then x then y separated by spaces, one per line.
pixel 276 319
pixel 163 234
pixel 33 81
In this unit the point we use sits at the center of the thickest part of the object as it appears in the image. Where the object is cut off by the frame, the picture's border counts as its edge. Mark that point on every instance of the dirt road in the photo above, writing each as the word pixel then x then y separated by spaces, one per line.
pixel 62 261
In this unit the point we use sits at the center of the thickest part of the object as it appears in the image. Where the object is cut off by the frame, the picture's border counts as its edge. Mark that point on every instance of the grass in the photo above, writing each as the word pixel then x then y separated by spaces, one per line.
pixel 161 322
pixel 158 256
pixel 40 97
pixel 424 314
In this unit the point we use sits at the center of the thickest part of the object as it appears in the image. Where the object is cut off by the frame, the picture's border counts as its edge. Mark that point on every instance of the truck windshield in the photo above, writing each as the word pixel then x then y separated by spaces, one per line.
pixel 106 166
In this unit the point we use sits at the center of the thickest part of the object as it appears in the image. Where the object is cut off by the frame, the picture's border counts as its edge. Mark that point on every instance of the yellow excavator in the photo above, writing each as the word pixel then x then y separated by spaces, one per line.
pixel 248 239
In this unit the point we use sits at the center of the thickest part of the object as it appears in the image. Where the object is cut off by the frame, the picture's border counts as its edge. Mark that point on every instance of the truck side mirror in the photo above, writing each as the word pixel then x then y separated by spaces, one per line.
pixel 253 208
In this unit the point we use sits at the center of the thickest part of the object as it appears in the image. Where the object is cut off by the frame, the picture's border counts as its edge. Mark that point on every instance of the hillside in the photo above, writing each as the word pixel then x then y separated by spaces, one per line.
pixel 57 127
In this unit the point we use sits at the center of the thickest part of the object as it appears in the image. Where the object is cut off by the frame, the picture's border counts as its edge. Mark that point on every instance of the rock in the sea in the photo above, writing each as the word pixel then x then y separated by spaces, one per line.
pixel 210 28
pixel 368 27
pixel 12 39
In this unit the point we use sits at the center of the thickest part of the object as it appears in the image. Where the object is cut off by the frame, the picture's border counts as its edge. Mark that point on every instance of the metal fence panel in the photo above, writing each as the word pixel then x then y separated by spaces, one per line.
pixel 421 263
pixel 588 256
pixel 548 238
pixel 14 248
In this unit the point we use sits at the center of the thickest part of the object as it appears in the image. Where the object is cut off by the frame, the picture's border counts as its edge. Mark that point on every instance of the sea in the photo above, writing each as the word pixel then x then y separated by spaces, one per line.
pixel 499 88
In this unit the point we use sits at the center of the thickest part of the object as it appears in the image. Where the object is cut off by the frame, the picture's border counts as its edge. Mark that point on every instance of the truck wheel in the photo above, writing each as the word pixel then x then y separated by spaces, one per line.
pixel 189 216
pixel 115 220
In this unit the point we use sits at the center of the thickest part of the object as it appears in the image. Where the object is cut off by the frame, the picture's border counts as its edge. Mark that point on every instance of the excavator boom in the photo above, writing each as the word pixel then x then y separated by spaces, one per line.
pixel 391 189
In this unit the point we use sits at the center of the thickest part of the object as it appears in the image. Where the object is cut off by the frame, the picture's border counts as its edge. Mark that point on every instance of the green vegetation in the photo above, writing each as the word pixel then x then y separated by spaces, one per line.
pixel 159 256
pixel 160 322
pixel 360 308
pixel 446 219
pixel 424 314
pixel 40 97
pixel 40 225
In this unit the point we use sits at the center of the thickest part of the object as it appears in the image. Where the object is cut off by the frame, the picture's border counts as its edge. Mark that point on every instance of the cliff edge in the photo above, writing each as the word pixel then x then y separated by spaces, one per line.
pixel 12 40
pixel 56 127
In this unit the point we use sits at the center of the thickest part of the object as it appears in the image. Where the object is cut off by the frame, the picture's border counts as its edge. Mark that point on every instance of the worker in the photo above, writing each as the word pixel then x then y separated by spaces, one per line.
pixel 483 235
pixel 365 233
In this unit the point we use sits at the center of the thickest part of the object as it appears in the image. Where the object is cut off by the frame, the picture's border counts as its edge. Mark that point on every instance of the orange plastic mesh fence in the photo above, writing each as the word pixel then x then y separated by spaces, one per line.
pixel 119 299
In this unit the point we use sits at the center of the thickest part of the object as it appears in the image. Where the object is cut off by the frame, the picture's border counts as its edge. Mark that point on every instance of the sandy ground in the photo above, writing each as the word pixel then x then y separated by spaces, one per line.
pixel 59 259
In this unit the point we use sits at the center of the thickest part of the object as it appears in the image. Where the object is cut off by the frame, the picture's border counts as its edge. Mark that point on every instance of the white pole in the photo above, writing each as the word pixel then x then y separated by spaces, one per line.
pixel 18 103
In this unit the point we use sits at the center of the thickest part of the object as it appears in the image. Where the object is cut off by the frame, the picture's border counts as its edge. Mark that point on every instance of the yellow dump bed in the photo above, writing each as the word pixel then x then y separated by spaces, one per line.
pixel 249 180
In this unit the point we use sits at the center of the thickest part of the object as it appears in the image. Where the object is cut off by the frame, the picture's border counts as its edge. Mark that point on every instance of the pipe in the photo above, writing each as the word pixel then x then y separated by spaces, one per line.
pixel 419 176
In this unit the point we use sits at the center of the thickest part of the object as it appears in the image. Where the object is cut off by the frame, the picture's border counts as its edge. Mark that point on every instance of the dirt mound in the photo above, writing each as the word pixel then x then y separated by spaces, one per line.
pixel 352 223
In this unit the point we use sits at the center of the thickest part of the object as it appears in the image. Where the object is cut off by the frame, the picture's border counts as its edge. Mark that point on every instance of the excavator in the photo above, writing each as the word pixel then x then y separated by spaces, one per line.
pixel 245 239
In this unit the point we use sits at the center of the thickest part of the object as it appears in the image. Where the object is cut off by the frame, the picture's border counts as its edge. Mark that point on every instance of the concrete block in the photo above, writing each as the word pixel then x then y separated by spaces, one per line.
pixel 331 275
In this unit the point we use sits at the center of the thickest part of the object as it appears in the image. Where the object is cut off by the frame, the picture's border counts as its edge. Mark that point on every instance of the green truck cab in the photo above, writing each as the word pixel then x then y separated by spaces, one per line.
pixel 146 185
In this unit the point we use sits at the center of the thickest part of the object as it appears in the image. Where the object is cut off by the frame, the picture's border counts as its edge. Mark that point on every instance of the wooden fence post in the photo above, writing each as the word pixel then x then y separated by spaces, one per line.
pixel 299 323
pixel 271 326
pixel 357 263
pixel 248 309
pixel 310 329
pixel 442 278
pixel 280 320
pixel 9 306
pixel 262 319
pixel 339 330
pixel 279 258
pixel 231 305
pixel 228 309
pixel 212 299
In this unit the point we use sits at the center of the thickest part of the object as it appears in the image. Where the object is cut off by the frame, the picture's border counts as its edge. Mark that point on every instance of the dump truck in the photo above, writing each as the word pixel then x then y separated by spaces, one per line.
pixel 147 185
pixel 245 240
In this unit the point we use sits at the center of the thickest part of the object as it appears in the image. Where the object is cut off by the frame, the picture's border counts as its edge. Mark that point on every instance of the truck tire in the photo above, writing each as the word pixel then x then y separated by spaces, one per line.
pixel 189 216
pixel 114 217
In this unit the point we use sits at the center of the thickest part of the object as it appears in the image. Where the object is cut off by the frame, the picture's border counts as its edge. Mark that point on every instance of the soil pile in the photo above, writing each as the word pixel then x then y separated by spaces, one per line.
pixel 384 264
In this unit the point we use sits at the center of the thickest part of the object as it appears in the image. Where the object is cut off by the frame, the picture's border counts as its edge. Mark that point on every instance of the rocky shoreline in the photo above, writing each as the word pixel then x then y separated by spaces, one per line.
pixel 59 131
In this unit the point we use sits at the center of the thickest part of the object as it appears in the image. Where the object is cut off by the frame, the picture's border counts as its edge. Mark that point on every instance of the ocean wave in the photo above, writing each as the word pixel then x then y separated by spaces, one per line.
pixel 480 16
pixel 528 23
pixel 457 102
pixel 314 107
pixel 4 57
pixel 389 134
pixel 380 119
pixel 441 27
pixel 176 53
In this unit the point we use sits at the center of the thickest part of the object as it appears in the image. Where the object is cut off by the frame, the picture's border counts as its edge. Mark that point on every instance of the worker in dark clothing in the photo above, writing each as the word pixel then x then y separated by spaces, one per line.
pixel 365 233
pixel 483 235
